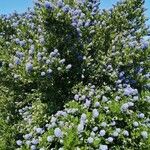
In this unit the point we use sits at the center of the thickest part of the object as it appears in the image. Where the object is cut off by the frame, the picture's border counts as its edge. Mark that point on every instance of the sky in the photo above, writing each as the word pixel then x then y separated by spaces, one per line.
pixel 9 6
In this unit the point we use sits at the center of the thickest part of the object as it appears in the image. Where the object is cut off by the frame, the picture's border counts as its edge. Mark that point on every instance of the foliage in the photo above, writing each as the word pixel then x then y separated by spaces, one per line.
pixel 75 77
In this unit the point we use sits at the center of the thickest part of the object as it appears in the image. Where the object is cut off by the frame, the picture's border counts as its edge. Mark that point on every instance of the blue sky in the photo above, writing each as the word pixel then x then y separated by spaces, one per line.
pixel 8 6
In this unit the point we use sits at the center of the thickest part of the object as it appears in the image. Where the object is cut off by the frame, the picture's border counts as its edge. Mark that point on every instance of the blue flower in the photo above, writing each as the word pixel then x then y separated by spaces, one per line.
pixel 115 134
pixel 19 54
pixel 95 128
pixel 124 107
pixel 22 43
pixel 80 23
pixel 11 65
pixel 144 134
pixel 19 142
pixel 17 41
pixel 110 139
pixel 15 24
pixel 28 142
pixel 27 136
pixel 17 61
pixel 49 71
pixel 49 138
pixel 62 61
pixel 35 141
pixel 141 115
pixel 60 3
pixel 49 5
pixel 37 2
pixel 95 113
pixel 33 147
pixel 103 124
pixel 121 74
pixel 31 52
pixel 68 66
pixel 66 8
pixel 43 73
pixel 90 140
pixel 135 124
pixel 145 45
pixel 103 147
pixel 41 40
pixel 41 149
pixel 39 58
pixel 104 99
pixel 125 133
pixel 102 132
pixel 87 24
pixel 80 127
pixel 29 67
pixel 59 68
pixel 76 97
pixel 118 130
pixel 81 1
pixel 135 98
pixel 58 133
pixel 97 104
pixel 39 54
pixel 39 130
pixel 87 103
pixel 128 91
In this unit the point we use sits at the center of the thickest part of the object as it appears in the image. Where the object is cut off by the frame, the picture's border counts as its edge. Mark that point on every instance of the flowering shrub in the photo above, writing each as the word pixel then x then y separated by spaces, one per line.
pixel 75 77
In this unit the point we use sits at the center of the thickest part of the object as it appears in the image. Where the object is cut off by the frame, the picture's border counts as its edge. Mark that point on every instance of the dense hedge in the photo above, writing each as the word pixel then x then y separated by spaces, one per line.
pixel 75 77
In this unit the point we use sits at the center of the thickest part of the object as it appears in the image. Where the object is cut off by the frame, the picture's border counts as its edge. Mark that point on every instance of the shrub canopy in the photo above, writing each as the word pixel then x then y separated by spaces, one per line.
pixel 75 77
